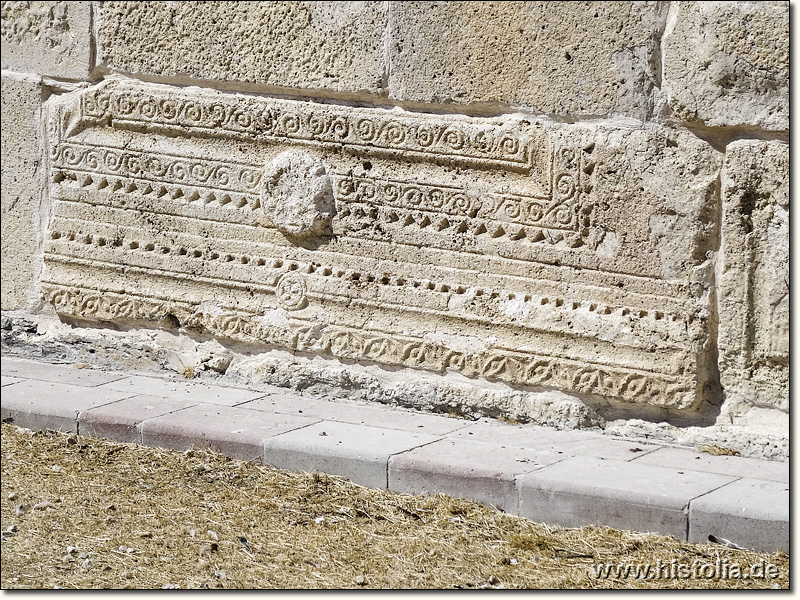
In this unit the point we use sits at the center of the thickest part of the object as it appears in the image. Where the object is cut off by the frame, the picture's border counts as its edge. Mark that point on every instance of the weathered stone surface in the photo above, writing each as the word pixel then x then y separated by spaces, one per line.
pixel 297 195
pixel 530 253
pixel 754 279
pixel 21 189
pixel 599 58
pixel 727 63
pixel 48 38
pixel 334 46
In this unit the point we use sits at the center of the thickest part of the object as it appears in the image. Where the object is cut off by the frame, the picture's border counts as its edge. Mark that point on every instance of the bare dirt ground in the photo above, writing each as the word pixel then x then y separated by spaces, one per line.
pixel 81 512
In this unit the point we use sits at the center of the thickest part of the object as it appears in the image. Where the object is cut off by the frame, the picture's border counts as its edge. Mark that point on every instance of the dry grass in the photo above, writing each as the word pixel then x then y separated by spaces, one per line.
pixel 182 515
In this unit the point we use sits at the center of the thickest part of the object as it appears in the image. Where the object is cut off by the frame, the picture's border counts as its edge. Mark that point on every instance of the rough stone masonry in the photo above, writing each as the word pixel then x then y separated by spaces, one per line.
pixel 574 214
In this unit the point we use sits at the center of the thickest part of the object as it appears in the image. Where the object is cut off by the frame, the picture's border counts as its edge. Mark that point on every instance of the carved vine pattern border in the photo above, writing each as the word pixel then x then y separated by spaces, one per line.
pixel 347 343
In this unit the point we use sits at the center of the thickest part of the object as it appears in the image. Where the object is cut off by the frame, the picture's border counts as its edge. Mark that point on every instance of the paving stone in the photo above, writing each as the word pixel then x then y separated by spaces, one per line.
pixel 749 512
pixel 358 452
pixel 119 421
pixel 237 432
pixel 479 471
pixel 373 416
pixel 48 405
pixel 524 436
pixel 587 490
pixel 736 466
pixel 184 390
pixel 4 381
pixel 58 373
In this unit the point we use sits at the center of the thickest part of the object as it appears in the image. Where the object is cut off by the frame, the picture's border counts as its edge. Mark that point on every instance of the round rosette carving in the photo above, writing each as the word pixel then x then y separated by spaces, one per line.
pixel 297 195
pixel 292 292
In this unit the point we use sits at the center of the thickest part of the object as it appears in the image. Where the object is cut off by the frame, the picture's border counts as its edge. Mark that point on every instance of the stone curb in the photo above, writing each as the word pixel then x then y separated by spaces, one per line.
pixel 568 478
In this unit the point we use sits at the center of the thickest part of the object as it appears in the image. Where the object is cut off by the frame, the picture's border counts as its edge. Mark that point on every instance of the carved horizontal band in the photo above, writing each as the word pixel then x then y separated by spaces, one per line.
pixel 347 343
pixel 478 142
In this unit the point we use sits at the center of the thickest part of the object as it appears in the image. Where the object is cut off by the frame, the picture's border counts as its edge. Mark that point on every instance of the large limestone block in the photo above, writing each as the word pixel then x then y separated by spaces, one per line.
pixel 754 284
pixel 21 192
pixel 48 38
pixel 335 46
pixel 727 63
pixel 564 58
pixel 534 253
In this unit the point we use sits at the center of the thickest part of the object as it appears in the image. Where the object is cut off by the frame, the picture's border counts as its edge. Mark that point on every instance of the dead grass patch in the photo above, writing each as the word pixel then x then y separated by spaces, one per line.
pixel 125 516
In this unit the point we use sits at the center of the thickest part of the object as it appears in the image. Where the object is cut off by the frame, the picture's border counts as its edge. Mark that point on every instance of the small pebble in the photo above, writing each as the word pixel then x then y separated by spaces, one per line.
pixel 191 533
pixel 12 529
pixel 12 496
pixel 514 561
pixel 23 508
pixel 493 580
pixel 111 507
pixel 123 548
pixel 319 520
pixel 130 550
pixel 43 505
pixel 209 548
pixel 360 580
pixel 56 468
pixel 213 535
pixel 67 558
pixel 322 434
pixel 220 574
pixel 71 549
pixel 170 586
pixel 83 555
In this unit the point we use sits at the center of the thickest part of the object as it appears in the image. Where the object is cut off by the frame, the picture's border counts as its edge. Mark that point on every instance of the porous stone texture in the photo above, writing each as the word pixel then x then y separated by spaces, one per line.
pixel 333 46
pixel 754 279
pixel 584 249
pixel 21 189
pixel 47 38
pixel 600 58
pixel 727 63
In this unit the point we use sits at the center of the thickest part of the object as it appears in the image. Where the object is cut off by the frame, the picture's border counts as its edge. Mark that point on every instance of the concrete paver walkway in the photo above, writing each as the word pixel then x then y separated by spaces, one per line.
pixel 570 478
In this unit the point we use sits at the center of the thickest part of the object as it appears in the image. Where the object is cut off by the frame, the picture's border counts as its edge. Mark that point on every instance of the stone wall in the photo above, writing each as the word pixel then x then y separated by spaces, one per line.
pixel 566 213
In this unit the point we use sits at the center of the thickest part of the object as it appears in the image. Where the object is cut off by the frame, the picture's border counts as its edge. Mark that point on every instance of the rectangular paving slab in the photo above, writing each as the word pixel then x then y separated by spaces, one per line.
pixel 195 391
pixel 48 405
pixel 587 490
pixel 478 471
pixel 736 466
pixel 119 421
pixel 749 512
pixel 57 373
pixel 237 432
pixel 358 452
pixel 374 416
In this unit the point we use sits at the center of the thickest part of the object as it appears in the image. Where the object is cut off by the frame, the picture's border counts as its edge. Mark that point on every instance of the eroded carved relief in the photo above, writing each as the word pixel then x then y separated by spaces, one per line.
pixel 450 244
pixel 297 194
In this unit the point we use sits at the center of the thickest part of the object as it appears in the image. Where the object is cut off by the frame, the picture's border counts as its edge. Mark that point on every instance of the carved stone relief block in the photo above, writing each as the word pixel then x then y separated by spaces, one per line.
pixel 536 254
pixel 754 282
